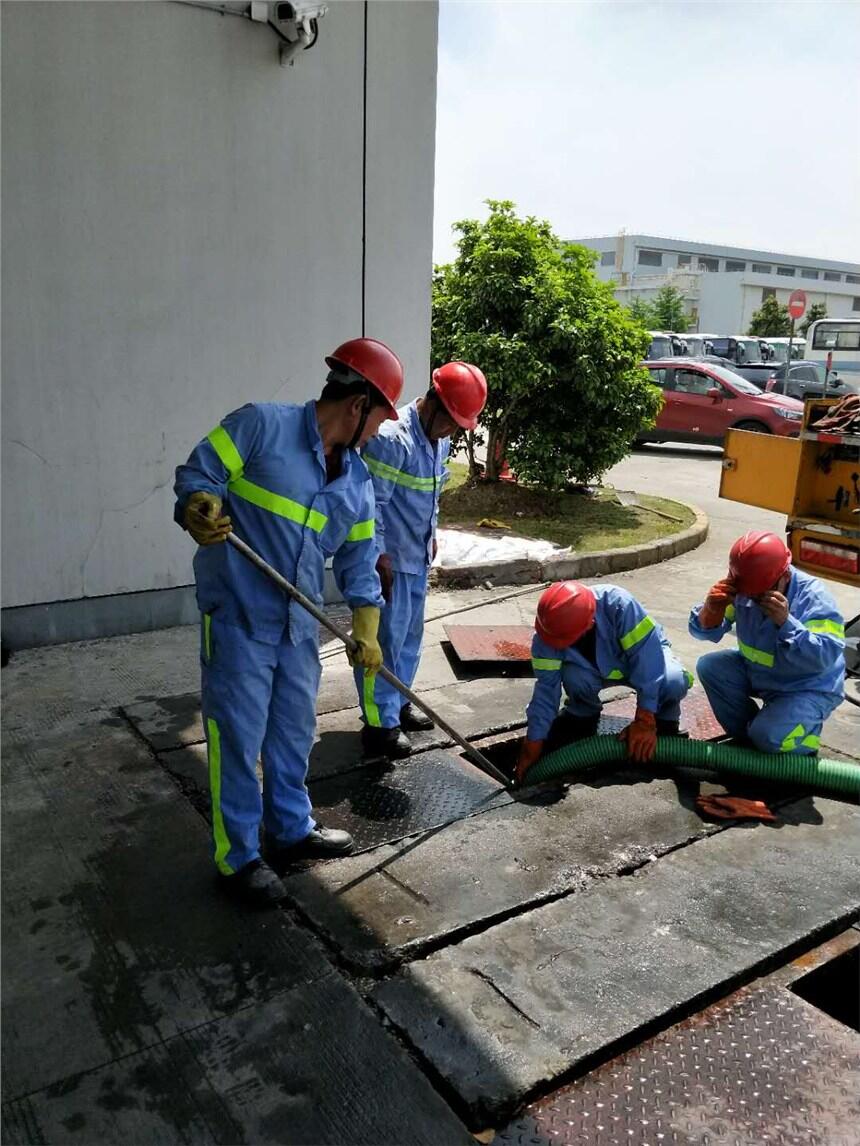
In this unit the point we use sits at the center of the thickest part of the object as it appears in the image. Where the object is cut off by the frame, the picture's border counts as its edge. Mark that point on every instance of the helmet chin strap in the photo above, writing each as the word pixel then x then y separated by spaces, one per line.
pixel 428 425
pixel 362 421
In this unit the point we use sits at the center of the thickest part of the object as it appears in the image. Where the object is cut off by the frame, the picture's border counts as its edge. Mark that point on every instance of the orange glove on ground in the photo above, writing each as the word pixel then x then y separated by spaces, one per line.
pixel 719 597
pixel 530 753
pixel 641 736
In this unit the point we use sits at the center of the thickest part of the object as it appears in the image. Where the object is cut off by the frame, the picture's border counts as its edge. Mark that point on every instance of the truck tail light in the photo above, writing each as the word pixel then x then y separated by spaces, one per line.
pixel 840 558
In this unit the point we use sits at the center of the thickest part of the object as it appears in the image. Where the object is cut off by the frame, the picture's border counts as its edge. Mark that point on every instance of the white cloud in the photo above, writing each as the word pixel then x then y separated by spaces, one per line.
pixel 732 123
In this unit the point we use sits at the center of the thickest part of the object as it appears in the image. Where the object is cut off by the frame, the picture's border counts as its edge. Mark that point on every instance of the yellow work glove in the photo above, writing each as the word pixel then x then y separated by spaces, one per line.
pixel 202 518
pixel 365 627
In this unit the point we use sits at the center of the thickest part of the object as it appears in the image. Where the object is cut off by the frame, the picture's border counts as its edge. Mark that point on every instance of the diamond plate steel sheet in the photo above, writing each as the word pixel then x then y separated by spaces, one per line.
pixel 491 642
pixel 420 793
pixel 759 1067
pixel 697 718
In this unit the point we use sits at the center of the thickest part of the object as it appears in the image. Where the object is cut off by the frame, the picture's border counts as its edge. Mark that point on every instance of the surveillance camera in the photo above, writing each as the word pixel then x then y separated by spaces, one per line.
pixel 295 23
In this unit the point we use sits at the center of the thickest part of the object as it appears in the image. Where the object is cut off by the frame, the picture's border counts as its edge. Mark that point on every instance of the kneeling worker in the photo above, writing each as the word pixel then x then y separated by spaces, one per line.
pixel 790 654
pixel 586 638
pixel 297 492
pixel 408 467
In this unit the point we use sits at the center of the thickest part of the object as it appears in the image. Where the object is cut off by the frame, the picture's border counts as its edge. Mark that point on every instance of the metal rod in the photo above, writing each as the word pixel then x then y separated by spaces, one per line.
pixel 474 753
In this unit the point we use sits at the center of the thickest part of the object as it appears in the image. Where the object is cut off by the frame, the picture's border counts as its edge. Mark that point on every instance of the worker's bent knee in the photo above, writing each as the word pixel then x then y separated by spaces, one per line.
pixel 708 667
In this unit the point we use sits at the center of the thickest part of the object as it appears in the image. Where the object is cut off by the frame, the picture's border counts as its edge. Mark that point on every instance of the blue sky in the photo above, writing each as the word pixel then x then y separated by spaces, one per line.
pixel 723 122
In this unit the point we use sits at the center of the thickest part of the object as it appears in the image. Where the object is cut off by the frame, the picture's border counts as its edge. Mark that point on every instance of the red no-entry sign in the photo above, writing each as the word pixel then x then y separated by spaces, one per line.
pixel 797 303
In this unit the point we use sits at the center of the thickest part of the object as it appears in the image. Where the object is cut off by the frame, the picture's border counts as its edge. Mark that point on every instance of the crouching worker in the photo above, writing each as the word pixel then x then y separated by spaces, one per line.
pixel 408 467
pixel 585 639
pixel 790 648
pixel 297 492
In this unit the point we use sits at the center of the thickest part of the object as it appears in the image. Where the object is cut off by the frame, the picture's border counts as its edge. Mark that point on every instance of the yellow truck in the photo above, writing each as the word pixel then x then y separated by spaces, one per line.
pixel 814 479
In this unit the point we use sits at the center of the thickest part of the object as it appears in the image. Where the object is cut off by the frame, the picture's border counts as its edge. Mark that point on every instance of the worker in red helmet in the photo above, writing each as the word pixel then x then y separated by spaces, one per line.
pixel 586 638
pixel 290 479
pixel 790 654
pixel 407 460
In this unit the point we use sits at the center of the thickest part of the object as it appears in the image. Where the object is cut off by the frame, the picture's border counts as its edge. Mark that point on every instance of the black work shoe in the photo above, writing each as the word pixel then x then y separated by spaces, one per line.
pixel 321 843
pixel 671 728
pixel 391 743
pixel 413 720
pixel 254 885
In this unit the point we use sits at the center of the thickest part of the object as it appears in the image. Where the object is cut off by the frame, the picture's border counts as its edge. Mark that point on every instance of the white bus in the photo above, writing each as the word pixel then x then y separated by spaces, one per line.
pixel 780 348
pixel 839 337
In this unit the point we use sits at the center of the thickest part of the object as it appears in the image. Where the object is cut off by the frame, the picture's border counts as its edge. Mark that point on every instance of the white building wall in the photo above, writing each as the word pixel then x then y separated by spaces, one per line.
pixel 183 232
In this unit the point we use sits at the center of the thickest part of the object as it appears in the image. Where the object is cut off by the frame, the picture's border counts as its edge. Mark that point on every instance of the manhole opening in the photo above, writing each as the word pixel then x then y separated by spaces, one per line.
pixel 503 752
pixel 834 988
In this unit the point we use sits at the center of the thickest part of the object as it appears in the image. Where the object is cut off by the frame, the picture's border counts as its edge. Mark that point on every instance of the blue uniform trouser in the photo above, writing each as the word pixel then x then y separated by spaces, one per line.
pixel 786 722
pixel 401 634
pixel 583 699
pixel 259 700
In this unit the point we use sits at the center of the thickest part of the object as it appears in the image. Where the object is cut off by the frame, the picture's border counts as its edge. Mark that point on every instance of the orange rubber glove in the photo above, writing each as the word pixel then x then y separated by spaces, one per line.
pixel 641 736
pixel 719 597
pixel 530 753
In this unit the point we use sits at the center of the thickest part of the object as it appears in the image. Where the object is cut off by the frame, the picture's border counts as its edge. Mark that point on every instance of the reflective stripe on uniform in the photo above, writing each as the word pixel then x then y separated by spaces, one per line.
pixel 362 530
pixel 615 674
pixel 282 506
pixel 730 613
pixel 689 678
pixel 383 470
pixel 225 448
pixel 371 710
pixel 222 843
pixel 207 636
pixel 809 741
pixel 827 627
pixel 542 664
pixel 636 635
pixel 757 656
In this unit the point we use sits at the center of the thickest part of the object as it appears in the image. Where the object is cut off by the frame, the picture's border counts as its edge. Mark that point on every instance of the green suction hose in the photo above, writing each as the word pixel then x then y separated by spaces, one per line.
pixel 810 771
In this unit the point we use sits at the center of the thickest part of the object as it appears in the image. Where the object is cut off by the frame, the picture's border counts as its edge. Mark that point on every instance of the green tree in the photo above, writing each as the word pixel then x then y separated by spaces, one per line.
pixel 643 312
pixel 770 319
pixel 816 311
pixel 566 394
pixel 669 311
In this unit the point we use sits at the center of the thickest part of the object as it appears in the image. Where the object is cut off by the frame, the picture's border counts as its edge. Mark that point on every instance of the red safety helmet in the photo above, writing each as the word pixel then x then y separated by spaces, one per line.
pixel 462 390
pixel 377 363
pixel 565 611
pixel 757 561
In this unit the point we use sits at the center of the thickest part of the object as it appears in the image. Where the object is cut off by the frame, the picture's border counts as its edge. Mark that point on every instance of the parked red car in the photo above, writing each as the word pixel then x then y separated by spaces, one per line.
pixel 702 400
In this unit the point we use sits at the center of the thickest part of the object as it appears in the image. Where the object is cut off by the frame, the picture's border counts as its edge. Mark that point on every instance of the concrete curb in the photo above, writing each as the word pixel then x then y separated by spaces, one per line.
pixel 577 568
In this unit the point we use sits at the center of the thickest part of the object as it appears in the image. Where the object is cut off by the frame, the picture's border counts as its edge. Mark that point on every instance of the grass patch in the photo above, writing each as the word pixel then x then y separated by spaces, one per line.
pixel 585 523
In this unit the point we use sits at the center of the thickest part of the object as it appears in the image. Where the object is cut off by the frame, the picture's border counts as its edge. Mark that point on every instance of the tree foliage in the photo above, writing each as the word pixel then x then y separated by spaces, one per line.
pixel 816 311
pixel 665 312
pixel 566 393
pixel 770 319
pixel 669 310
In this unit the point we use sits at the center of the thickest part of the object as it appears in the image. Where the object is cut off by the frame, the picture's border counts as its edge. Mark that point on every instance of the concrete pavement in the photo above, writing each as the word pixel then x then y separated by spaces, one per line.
pixel 468 966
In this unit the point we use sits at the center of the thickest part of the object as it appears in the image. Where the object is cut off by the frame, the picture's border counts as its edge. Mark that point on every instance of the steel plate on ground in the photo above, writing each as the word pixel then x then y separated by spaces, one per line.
pixel 421 792
pixel 697 718
pixel 761 1066
pixel 491 642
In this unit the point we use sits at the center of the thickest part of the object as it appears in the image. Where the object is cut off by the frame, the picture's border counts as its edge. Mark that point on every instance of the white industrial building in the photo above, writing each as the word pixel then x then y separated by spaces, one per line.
pixel 722 286
pixel 187 226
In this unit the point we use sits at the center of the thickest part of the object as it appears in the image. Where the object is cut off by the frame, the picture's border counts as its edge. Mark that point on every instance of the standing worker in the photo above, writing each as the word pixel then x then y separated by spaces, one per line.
pixel 584 639
pixel 297 492
pixel 790 653
pixel 407 461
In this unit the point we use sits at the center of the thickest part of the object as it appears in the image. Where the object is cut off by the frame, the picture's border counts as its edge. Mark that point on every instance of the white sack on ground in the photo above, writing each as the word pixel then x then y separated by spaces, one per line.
pixel 458 549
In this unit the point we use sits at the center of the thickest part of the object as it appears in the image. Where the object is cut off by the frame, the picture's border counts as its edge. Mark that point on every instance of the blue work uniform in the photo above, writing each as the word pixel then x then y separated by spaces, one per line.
pixel 798 669
pixel 259 649
pixel 630 648
pixel 408 473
